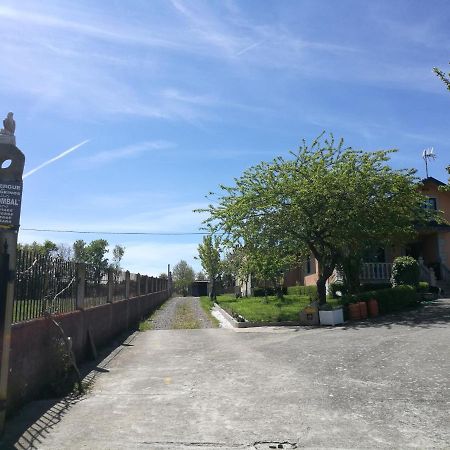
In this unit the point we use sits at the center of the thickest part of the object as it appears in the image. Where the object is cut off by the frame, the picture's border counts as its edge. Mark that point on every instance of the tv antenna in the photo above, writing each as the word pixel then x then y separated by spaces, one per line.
pixel 427 154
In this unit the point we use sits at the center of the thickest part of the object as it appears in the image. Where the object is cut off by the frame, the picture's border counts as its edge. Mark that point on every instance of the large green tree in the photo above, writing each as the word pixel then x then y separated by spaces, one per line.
pixel 183 276
pixel 327 200
pixel 209 254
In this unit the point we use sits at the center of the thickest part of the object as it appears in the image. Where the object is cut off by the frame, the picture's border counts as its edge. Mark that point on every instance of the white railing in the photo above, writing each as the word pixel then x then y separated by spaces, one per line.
pixel 426 273
pixel 376 272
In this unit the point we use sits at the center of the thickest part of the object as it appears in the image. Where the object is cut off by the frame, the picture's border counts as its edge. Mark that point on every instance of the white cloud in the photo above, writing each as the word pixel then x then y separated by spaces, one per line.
pixel 129 151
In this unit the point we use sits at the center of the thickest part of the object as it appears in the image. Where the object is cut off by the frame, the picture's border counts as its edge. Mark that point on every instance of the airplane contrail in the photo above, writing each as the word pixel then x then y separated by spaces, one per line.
pixel 61 155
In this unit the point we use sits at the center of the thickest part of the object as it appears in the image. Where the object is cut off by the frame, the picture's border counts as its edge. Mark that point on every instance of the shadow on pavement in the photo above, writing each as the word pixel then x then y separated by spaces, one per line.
pixel 28 428
pixel 432 314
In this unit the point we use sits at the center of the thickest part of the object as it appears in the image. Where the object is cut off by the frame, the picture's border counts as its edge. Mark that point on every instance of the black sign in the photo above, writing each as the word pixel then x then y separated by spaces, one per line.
pixel 10 202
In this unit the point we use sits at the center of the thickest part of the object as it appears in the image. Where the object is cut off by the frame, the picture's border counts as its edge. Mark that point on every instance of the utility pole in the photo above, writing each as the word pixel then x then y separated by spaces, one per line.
pixel 12 162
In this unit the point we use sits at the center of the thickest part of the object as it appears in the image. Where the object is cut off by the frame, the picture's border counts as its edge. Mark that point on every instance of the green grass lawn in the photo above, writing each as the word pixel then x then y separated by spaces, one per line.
pixel 207 305
pixel 258 309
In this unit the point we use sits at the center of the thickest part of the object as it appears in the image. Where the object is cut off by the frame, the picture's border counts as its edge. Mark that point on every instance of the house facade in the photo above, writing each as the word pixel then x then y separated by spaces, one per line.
pixel 431 248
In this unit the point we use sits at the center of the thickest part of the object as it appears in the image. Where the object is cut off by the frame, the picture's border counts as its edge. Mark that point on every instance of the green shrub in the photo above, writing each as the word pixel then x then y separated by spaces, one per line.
pixel 310 291
pixel 374 286
pixel 389 300
pixel 259 291
pixel 423 286
pixel 336 287
pixel 405 271
pixel 433 289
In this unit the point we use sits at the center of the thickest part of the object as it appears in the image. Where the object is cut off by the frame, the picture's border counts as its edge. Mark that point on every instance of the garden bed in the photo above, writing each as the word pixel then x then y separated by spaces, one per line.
pixel 261 310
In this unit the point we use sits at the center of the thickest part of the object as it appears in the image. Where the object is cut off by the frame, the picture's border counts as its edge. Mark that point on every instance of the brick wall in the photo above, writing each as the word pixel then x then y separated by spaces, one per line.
pixel 32 352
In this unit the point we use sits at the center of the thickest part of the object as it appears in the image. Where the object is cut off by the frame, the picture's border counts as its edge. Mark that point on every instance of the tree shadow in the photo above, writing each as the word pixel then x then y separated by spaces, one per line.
pixel 430 315
pixel 427 315
pixel 28 428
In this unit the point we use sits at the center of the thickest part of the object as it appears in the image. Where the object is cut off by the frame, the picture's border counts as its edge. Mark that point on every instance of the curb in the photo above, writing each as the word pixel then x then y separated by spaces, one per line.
pixel 234 323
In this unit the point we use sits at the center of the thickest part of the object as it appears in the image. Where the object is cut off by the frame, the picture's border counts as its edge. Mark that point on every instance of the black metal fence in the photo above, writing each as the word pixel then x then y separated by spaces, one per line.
pixel 119 285
pixel 45 284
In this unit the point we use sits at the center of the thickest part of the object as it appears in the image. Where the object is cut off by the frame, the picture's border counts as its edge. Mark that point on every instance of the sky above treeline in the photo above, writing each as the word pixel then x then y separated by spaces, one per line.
pixel 152 104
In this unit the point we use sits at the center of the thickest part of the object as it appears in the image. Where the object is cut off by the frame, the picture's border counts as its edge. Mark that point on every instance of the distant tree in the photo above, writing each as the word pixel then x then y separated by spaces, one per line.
pixel 200 276
pixel 183 276
pixel 209 254
pixel 163 276
pixel 444 77
pixel 48 248
pixel 117 255
pixel 94 255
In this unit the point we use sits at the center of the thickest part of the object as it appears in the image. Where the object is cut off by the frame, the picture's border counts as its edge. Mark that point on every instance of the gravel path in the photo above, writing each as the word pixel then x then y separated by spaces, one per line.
pixel 179 310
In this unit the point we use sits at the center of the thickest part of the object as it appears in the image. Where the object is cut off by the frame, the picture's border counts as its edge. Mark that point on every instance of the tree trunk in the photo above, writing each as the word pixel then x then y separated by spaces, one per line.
pixel 321 290
pixel 324 274
pixel 213 295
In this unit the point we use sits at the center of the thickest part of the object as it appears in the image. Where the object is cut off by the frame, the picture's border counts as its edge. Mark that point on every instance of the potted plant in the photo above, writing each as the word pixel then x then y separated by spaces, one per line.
pixel 330 316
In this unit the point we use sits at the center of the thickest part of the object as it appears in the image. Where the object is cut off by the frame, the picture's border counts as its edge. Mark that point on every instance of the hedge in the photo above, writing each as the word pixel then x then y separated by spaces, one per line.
pixel 374 286
pixel 259 291
pixel 389 300
pixel 423 287
pixel 310 291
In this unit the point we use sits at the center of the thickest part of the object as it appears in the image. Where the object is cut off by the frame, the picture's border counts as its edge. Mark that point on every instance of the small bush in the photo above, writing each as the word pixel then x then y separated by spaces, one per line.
pixel 374 286
pixel 433 289
pixel 310 291
pixel 338 286
pixel 389 300
pixel 259 291
pixel 423 286
pixel 405 271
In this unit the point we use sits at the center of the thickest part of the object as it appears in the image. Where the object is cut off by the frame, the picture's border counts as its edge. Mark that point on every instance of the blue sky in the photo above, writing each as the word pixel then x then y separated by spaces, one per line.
pixel 171 98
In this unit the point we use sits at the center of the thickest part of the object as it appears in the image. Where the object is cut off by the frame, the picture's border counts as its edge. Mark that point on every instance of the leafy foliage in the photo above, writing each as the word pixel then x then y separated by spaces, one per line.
pixel 327 199
pixel 389 300
pixel 48 248
pixel 405 271
pixel 338 286
pixel 209 254
pixel 444 77
pixel 310 291
pixel 183 276
pixel 423 286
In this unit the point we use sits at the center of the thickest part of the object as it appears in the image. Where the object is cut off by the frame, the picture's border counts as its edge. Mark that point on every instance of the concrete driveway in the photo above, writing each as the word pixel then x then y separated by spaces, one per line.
pixel 383 385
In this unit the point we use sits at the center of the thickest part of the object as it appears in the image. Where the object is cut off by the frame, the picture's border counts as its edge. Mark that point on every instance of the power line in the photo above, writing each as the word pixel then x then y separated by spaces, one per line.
pixel 135 233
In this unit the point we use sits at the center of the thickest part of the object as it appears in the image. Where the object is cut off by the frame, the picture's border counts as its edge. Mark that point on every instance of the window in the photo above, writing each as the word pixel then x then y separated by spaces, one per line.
pixel 430 203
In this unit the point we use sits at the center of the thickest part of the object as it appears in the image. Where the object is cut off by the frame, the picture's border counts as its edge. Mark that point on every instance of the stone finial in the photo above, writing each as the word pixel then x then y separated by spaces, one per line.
pixel 8 130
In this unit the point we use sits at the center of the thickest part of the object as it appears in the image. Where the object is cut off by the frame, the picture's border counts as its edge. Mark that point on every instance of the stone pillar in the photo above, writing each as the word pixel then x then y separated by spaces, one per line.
pixel 127 284
pixel 81 284
pixel 146 285
pixel 110 285
pixel 138 285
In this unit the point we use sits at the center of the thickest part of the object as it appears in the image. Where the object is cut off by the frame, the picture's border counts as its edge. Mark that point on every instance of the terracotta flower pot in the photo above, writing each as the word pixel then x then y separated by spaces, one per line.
pixel 363 309
pixel 373 307
pixel 354 311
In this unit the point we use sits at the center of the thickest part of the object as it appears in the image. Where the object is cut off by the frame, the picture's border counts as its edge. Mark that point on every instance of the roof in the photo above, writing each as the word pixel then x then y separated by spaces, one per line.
pixel 433 180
